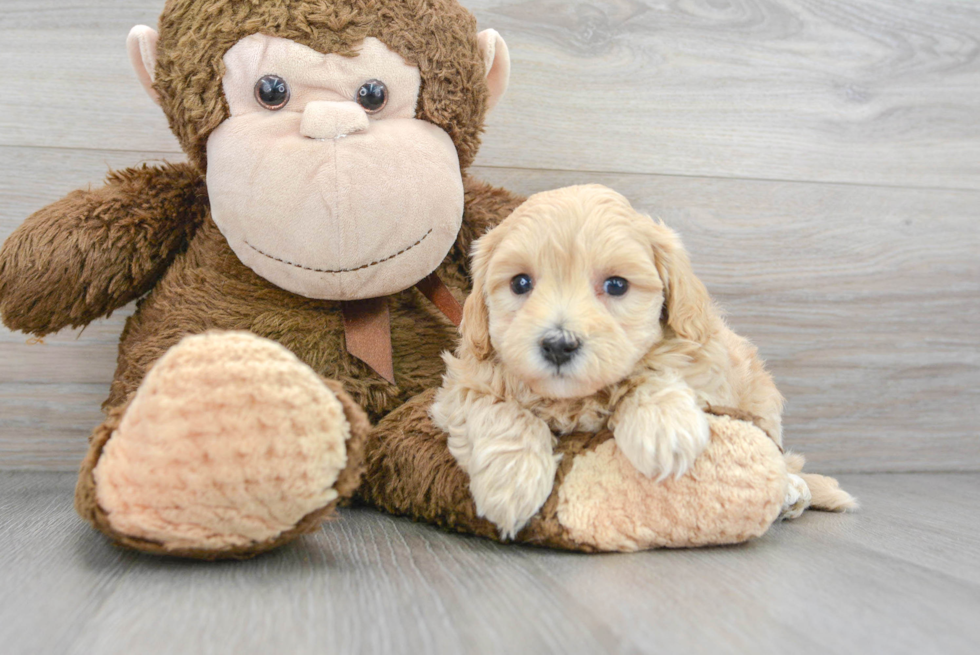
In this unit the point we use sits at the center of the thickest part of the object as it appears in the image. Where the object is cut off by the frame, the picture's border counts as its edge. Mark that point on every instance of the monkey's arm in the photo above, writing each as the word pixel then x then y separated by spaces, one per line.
pixel 94 251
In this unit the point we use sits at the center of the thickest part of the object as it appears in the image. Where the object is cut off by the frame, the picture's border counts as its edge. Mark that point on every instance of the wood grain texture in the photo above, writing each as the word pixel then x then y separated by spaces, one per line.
pixel 869 91
pixel 863 296
pixel 864 301
pixel 900 576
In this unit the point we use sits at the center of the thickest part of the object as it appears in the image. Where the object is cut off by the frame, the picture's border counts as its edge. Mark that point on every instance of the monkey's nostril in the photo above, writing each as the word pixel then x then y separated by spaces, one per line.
pixel 560 349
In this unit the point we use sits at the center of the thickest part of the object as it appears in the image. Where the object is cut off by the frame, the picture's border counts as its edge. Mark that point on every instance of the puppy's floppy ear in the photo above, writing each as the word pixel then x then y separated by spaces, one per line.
pixel 688 307
pixel 476 319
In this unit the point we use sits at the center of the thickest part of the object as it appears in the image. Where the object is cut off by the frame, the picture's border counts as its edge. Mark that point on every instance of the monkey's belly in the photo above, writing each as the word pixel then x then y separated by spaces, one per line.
pixel 207 288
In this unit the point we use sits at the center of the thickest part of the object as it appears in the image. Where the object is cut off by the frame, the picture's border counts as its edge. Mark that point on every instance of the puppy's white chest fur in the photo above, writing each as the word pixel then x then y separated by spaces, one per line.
pixel 568 415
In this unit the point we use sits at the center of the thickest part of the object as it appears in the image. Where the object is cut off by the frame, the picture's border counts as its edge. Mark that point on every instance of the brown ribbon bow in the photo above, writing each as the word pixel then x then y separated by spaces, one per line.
pixel 367 324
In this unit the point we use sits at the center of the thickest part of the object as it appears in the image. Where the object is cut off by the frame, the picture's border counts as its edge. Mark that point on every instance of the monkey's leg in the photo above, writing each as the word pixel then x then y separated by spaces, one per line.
pixel 230 447
pixel 599 502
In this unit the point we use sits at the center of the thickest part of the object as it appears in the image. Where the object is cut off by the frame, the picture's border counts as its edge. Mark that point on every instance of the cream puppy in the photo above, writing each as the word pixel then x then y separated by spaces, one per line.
pixel 585 315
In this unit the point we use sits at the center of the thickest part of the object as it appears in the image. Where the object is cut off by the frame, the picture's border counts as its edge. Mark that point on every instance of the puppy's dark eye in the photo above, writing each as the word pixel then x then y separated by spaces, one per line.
pixel 521 284
pixel 272 92
pixel 616 286
pixel 372 96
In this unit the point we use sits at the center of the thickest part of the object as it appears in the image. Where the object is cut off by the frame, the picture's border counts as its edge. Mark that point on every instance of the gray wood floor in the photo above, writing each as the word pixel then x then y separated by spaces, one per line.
pixel 900 576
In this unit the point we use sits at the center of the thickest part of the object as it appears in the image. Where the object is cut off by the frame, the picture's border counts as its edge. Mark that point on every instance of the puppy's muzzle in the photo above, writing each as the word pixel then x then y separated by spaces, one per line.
pixel 560 348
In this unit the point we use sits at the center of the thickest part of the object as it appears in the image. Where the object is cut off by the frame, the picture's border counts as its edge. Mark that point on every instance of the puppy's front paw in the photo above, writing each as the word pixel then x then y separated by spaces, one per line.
pixel 662 440
pixel 510 488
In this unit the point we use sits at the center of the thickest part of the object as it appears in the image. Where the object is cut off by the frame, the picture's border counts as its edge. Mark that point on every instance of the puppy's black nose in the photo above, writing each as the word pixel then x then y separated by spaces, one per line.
pixel 559 349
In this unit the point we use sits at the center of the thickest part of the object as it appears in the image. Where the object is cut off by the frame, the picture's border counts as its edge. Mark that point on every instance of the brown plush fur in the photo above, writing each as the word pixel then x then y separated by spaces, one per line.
pixel 60 268
pixel 208 288
pixel 148 232
pixel 438 36
pixel 94 251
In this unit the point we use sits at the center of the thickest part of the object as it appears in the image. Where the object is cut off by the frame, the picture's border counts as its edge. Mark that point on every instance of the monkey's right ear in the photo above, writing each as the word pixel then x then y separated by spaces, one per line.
pixel 496 58
pixel 142 47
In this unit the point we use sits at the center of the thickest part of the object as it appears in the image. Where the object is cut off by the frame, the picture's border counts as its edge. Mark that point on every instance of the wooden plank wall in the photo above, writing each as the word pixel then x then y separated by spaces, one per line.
pixel 821 159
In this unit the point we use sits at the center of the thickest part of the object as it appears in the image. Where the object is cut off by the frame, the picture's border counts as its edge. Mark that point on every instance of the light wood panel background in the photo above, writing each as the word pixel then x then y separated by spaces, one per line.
pixel 821 160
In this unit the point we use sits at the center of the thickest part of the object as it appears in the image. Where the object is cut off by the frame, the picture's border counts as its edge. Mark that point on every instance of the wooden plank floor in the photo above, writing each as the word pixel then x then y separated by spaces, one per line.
pixel 900 576
pixel 821 160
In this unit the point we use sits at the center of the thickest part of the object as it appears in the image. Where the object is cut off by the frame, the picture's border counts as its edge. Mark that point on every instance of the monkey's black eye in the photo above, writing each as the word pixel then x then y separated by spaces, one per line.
pixel 372 96
pixel 521 284
pixel 616 286
pixel 272 92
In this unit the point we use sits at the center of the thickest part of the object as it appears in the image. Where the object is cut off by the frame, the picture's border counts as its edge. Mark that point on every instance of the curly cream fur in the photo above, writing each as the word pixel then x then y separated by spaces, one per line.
pixel 650 361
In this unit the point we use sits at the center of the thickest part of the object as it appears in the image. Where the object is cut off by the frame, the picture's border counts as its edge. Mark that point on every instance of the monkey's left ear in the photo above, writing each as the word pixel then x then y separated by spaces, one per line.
pixel 496 58
pixel 142 47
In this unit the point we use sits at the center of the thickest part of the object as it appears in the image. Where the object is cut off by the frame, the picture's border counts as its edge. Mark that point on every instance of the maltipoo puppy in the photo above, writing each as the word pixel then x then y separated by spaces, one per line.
pixel 585 314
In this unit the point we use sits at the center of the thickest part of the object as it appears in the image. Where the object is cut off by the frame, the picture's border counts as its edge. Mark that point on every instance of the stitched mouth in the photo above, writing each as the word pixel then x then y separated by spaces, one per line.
pixel 340 270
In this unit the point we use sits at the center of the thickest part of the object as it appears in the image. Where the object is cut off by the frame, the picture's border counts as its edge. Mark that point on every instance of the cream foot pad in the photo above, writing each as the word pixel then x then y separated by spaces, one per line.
pixel 229 441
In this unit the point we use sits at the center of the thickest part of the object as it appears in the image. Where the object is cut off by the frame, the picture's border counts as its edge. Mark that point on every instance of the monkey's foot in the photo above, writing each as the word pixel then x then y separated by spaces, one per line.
pixel 230 447
pixel 600 501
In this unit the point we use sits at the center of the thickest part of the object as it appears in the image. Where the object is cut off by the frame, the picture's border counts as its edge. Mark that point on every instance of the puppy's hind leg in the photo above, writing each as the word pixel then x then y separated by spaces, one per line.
pixel 797 498
pixel 824 492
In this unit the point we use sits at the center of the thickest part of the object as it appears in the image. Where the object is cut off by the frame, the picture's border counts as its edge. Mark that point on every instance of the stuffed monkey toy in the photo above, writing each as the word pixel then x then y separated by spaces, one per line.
pixel 297 280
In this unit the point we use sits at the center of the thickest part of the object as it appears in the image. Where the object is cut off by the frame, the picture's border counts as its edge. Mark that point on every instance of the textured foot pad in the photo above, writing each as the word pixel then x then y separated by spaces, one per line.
pixel 732 494
pixel 229 441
